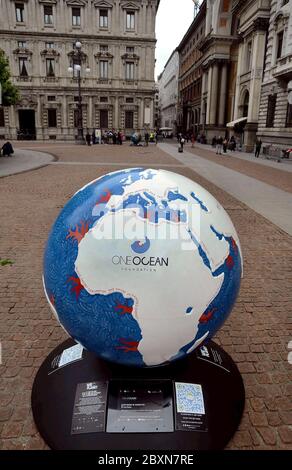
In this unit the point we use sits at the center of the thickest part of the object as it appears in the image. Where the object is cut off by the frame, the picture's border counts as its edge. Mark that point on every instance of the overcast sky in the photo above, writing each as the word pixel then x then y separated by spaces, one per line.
pixel 173 20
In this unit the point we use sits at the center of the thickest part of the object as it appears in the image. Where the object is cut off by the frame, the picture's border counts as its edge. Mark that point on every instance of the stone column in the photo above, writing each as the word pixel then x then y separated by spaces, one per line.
pixel 90 113
pixel 116 112
pixel 237 90
pixel 209 86
pixel 213 93
pixel 64 116
pixel 143 13
pixel 140 103
pixel 38 118
pixel 256 75
pixel 204 81
pixel 223 91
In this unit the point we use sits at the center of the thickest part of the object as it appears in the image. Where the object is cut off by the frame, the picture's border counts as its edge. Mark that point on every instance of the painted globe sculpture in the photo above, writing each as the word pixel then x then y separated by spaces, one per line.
pixel 141 266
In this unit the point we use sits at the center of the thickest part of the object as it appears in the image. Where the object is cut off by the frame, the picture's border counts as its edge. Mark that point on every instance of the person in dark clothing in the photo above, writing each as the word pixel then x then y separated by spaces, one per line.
pixel 88 138
pixel 120 138
pixel 232 144
pixel 93 138
pixel 114 137
pixel 258 147
pixel 7 149
pixel 182 141
pixel 146 139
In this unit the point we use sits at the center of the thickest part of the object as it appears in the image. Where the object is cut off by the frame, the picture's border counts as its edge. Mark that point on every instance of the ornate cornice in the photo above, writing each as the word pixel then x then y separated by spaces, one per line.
pixel 103 55
pixel 46 2
pixel 261 24
pixel 102 4
pixel 126 5
pixel 29 101
pixel 212 39
pixel 20 51
pixel 77 3
pixel 134 57
pixel 111 39
pixel 50 53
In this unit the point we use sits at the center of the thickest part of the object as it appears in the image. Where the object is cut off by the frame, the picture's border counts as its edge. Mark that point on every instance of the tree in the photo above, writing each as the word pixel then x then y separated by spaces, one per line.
pixel 10 94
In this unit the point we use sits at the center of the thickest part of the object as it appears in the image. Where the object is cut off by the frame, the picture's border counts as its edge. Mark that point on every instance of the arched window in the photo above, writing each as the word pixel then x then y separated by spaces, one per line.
pixel 245 104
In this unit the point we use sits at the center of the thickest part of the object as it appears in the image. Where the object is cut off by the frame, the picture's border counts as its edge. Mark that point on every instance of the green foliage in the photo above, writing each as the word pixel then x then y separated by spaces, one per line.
pixel 10 94
pixel 3 262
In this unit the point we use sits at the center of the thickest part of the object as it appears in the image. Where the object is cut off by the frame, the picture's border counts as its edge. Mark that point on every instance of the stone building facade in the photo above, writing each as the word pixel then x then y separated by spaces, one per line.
pixel 234 52
pixel 168 93
pixel 190 74
pixel 118 45
pixel 275 114
pixel 219 62
pixel 252 31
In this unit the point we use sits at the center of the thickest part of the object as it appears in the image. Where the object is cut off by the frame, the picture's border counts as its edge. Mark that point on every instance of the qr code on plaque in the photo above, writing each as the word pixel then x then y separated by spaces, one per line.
pixel 189 398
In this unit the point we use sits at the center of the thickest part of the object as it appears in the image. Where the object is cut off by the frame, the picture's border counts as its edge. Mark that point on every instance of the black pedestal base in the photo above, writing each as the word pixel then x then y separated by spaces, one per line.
pixel 54 392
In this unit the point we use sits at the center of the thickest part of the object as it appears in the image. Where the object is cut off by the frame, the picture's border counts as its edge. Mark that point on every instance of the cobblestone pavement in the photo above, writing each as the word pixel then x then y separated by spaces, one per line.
pixel 256 334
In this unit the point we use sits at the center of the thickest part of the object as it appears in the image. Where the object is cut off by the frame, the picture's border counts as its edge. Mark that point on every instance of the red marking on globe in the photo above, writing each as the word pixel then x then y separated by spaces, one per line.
pixel 229 261
pixel 79 232
pixel 207 316
pixel 78 287
pixel 104 198
pixel 234 245
pixel 128 346
pixel 52 299
pixel 123 309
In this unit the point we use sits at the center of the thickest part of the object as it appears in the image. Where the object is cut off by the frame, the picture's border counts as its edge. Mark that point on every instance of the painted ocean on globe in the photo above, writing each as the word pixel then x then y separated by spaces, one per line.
pixel 142 266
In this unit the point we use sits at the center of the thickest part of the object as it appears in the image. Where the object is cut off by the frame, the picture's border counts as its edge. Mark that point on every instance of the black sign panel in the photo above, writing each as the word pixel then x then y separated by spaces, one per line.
pixel 140 406
pixel 89 408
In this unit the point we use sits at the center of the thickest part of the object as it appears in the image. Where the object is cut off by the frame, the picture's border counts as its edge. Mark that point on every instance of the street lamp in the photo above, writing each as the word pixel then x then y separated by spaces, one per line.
pixel 76 67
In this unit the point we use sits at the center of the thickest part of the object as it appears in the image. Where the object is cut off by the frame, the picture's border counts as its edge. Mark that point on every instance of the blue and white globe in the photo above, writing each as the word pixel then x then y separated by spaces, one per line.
pixel 141 266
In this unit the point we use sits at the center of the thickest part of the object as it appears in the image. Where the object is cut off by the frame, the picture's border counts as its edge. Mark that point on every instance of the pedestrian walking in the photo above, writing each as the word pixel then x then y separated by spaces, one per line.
pixel 219 143
pixel 146 139
pixel 181 145
pixel 232 144
pixel 193 141
pixel 120 138
pixel 88 138
pixel 93 138
pixel 258 147
pixel 225 144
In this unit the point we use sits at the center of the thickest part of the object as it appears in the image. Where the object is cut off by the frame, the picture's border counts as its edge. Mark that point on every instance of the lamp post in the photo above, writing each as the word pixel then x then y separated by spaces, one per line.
pixel 76 66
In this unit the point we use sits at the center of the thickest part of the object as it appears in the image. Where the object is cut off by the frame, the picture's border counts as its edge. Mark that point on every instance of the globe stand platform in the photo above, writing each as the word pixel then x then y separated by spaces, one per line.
pixel 88 403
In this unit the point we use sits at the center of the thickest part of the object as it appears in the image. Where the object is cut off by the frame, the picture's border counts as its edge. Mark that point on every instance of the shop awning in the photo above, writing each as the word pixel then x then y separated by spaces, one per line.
pixel 236 122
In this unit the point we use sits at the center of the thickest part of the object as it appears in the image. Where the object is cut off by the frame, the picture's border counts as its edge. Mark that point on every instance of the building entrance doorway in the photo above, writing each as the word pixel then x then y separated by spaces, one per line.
pixel 27 130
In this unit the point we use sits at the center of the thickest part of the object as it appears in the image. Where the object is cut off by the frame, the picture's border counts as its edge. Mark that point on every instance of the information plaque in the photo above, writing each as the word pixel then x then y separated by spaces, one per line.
pixel 190 407
pixel 89 408
pixel 140 406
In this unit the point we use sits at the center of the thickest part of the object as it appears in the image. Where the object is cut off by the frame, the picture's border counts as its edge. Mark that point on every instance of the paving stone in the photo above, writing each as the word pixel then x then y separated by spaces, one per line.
pixel 11 429
pixel 268 435
pixel 285 434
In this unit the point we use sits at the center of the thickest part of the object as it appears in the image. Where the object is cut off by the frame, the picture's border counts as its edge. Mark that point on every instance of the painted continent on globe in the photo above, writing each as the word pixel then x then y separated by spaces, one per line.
pixel 141 266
